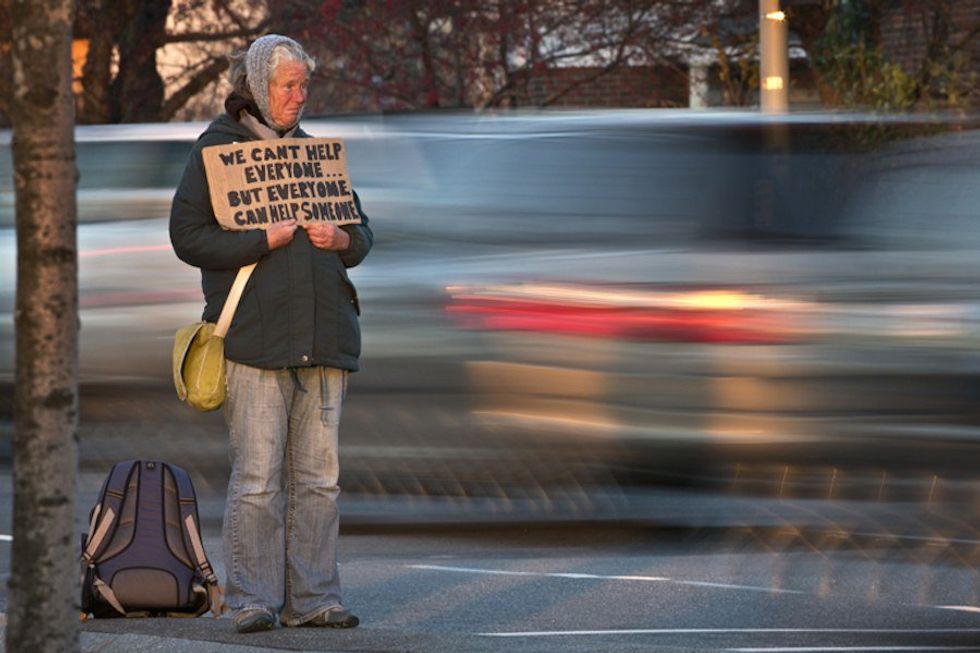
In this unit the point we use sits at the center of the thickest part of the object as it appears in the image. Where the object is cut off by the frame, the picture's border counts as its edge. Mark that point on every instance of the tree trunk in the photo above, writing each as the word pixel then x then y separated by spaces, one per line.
pixel 44 596
pixel 137 90
pixel 6 76
pixel 95 25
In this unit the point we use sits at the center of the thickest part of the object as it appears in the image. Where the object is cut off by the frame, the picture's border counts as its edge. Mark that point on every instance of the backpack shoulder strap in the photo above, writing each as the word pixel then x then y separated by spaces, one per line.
pixel 189 523
pixel 105 515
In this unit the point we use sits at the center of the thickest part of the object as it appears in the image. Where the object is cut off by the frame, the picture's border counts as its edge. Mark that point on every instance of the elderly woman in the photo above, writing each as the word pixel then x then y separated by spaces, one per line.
pixel 293 341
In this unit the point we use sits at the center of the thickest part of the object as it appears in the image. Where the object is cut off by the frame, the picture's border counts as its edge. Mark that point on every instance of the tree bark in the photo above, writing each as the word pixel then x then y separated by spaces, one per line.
pixel 94 23
pixel 6 74
pixel 137 90
pixel 44 596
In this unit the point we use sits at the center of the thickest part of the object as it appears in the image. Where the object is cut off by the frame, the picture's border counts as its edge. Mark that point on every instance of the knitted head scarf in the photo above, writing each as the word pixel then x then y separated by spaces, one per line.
pixel 257 71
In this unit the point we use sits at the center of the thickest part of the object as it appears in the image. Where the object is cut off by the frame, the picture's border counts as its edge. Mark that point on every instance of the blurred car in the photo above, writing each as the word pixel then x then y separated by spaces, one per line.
pixel 563 301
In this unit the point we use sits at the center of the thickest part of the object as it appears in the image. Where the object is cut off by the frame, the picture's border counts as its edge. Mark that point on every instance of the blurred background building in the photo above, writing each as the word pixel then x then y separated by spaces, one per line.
pixel 151 60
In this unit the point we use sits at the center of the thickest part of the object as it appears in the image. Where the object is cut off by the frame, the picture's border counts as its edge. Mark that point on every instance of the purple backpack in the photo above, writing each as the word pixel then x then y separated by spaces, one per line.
pixel 143 554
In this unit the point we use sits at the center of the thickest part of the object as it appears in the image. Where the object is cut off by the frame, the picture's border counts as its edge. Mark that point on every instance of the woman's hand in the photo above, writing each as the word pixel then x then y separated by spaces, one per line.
pixel 280 234
pixel 325 235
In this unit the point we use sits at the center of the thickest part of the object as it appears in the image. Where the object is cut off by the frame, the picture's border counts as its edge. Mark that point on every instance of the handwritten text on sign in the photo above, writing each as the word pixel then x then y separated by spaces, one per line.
pixel 258 183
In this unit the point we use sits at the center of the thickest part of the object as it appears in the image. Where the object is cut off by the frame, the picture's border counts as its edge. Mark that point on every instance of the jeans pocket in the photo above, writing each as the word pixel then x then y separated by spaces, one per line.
pixel 333 387
pixel 325 408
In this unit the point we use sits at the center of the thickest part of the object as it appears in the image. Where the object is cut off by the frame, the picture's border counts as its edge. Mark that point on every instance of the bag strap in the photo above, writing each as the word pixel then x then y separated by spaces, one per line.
pixel 105 516
pixel 102 526
pixel 231 304
pixel 216 595
pixel 187 501
pixel 110 597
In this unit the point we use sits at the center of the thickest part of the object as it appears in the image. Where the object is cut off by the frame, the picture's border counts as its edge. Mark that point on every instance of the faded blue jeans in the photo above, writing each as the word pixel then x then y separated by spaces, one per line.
pixel 281 518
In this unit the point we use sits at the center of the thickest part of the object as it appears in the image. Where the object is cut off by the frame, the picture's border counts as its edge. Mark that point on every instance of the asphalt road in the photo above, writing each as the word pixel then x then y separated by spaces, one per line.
pixel 580 588
pixel 581 568
pixel 588 586
pixel 587 568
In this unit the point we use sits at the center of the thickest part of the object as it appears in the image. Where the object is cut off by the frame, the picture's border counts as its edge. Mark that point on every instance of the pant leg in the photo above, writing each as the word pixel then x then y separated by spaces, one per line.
pixel 312 518
pixel 253 533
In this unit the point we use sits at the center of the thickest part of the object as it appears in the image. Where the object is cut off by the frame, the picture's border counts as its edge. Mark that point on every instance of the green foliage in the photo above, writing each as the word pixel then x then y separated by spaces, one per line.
pixel 850 62
pixel 738 69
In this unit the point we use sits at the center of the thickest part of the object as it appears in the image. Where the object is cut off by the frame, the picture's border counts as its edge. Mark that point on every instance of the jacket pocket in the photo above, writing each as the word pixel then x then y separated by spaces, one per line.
pixel 353 292
pixel 346 312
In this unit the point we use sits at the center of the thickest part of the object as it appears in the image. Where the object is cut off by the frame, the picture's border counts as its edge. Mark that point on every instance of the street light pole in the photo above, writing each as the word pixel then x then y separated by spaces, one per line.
pixel 773 58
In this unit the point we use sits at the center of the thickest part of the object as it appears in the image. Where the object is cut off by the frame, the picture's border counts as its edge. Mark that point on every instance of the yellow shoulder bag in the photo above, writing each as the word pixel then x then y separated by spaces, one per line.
pixel 199 353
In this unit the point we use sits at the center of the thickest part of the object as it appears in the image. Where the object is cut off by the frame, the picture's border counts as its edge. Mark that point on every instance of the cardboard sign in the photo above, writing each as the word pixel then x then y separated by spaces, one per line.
pixel 258 183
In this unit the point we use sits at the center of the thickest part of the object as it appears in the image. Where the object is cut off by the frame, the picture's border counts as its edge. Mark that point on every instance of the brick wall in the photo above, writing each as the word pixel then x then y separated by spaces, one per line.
pixel 905 34
pixel 627 86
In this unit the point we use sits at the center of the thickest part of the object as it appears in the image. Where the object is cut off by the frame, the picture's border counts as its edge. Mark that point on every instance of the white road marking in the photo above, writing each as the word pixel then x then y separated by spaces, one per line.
pixel 962 608
pixel 848 649
pixel 504 572
pixel 655 579
pixel 748 631
pixel 6 538
pixel 920 538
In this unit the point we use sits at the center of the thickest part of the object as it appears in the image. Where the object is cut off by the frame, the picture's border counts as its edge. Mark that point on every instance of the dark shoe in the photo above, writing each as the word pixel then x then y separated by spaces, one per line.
pixel 254 620
pixel 332 618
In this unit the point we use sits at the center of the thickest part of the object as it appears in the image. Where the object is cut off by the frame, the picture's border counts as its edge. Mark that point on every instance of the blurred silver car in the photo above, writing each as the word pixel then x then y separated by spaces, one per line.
pixel 563 301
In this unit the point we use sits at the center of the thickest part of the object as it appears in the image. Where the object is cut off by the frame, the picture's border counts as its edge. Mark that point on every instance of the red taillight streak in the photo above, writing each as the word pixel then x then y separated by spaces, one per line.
pixel 650 323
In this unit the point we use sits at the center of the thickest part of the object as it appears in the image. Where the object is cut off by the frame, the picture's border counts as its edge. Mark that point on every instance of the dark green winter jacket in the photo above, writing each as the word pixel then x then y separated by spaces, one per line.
pixel 299 308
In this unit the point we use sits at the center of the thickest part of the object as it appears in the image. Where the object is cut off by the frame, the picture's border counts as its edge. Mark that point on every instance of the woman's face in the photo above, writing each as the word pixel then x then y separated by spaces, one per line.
pixel 287 92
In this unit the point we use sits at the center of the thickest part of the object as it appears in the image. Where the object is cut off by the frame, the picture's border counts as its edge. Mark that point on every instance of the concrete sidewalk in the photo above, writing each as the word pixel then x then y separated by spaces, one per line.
pixel 194 636
pixel 376 635
pixel 205 636
pixel 213 636
pixel 219 636
pixel 132 643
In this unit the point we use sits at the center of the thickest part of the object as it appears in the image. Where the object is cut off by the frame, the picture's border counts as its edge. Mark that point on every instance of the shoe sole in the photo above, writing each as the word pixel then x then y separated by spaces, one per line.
pixel 351 622
pixel 257 627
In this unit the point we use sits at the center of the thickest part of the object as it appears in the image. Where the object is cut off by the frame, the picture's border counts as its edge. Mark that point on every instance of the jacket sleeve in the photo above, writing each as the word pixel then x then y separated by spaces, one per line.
pixel 361 238
pixel 194 232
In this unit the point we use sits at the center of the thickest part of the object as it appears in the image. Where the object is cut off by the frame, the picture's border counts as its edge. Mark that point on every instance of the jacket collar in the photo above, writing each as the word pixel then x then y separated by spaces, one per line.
pixel 246 111
pixel 263 131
